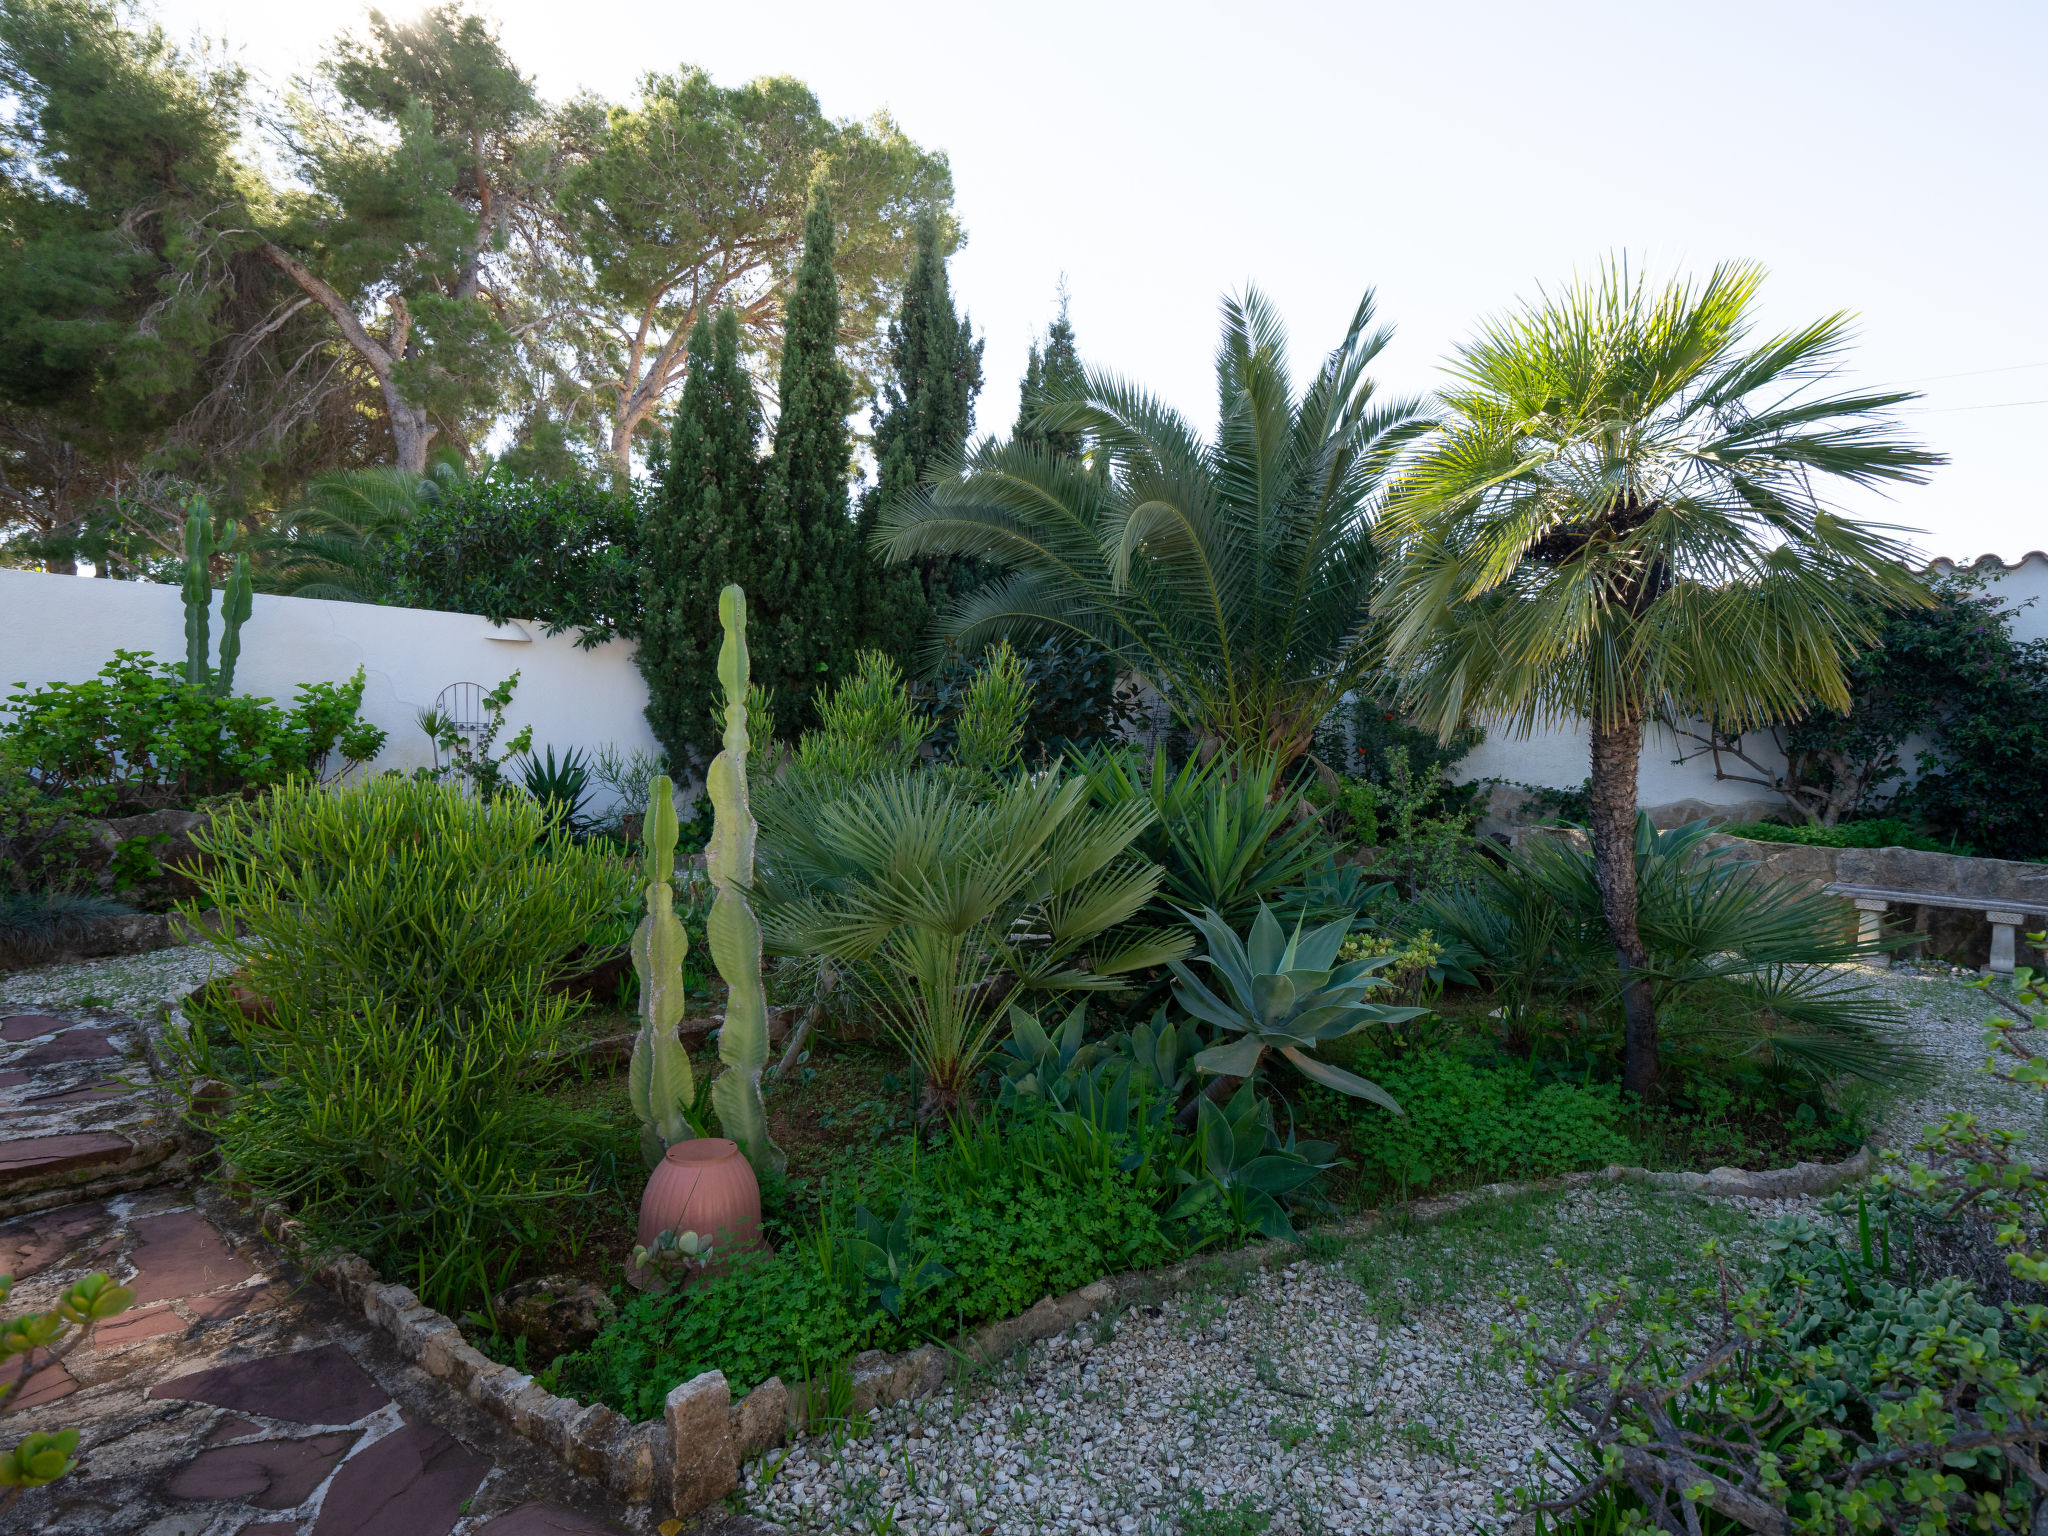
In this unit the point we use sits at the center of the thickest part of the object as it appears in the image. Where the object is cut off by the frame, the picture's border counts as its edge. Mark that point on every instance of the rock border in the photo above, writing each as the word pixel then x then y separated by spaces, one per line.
pixel 693 1455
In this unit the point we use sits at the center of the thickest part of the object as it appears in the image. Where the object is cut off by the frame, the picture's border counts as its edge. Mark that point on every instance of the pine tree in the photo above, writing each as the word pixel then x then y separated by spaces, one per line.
pixel 1055 369
pixel 701 531
pixel 925 416
pixel 801 621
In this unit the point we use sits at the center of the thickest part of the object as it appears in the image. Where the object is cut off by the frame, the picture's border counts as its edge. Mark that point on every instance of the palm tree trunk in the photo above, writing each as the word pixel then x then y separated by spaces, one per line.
pixel 1617 749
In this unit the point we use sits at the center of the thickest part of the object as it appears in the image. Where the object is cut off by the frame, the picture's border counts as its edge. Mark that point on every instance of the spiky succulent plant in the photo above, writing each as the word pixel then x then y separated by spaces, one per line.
pixel 1284 992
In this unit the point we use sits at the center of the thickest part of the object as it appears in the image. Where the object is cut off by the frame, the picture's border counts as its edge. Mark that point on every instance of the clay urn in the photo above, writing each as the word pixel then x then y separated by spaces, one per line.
pixel 704 1186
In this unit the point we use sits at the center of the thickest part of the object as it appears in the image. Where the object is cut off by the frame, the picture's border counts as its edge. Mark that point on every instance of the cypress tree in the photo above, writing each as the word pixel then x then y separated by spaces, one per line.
pixel 1054 369
pixel 924 417
pixel 701 531
pixel 805 633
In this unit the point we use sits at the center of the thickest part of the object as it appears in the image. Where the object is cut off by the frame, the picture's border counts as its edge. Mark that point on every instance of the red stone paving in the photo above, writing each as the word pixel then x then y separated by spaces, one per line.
pixel 49 1382
pixel 73 1045
pixel 413 1482
pixel 544 1520
pixel 12 1079
pixel 36 1156
pixel 181 1255
pixel 132 1327
pixel 31 1244
pixel 250 1298
pixel 27 1026
pixel 270 1474
pixel 232 1429
pixel 311 1386
pixel 270 1528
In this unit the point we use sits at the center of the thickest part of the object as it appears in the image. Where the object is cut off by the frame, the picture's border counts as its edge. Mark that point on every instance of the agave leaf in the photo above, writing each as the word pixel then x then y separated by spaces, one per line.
pixel 1317 949
pixel 1272 999
pixel 1277 1175
pixel 1268 944
pixel 1344 1082
pixel 1204 1004
pixel 1030 1034
pixel 1233 1058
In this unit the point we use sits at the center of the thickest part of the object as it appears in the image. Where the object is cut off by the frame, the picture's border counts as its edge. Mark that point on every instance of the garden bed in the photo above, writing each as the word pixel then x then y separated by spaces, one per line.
pixel 698 1449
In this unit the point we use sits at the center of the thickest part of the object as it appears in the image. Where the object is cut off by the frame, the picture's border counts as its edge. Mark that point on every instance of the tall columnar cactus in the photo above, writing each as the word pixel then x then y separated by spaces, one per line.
pixel 236 604
pixel 734 931
pixel 659 1080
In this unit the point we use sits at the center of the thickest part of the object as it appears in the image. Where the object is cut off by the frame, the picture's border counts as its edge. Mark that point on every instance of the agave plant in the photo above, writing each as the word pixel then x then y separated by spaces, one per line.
pixel 1285 993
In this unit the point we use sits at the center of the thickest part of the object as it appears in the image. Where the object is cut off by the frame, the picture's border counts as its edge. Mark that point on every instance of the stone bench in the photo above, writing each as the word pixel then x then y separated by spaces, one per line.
pixel 2005 917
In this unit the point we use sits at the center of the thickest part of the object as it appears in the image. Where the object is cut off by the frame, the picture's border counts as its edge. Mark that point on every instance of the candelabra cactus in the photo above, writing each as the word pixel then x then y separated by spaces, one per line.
pixel 659 1080
pixel 734 932
pixel 236 603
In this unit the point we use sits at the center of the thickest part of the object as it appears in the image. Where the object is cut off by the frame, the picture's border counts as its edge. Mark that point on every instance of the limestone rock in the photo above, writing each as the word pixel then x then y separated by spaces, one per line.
pixel 554 1314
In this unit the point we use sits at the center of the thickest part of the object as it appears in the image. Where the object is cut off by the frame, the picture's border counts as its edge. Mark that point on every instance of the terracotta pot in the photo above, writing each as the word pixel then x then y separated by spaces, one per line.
pixel 704 1186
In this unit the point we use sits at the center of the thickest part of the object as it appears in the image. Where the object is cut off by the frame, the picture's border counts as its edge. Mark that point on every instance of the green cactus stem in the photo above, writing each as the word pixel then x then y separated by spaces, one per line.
pixel 659 1080
pixel 734 932
pixel 236 604
pixel 198 593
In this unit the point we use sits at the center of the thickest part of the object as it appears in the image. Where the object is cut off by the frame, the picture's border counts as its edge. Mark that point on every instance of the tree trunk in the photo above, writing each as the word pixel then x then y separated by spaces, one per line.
pixel 410 429
pixel 1617 749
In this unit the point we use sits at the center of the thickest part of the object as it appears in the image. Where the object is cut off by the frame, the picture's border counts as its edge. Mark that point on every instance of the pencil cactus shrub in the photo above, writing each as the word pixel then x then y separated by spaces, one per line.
pixel 659 1080
pixel 732 928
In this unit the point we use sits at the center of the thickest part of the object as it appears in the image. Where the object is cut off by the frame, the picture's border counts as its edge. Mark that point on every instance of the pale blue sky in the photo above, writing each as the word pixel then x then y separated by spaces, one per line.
pixel 1884 158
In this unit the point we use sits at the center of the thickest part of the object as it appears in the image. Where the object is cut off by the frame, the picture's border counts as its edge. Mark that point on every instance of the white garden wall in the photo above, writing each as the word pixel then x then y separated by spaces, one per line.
pixel 65 628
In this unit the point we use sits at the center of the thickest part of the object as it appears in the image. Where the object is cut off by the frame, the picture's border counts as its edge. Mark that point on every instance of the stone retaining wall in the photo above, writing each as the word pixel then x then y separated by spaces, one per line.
pixel 693 1455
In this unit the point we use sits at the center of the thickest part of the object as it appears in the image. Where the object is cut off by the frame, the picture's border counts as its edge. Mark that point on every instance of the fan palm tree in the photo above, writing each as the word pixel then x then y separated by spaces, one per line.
pixel 1233 575
pixel 1618 519
pixel 334 542
pixel 939 894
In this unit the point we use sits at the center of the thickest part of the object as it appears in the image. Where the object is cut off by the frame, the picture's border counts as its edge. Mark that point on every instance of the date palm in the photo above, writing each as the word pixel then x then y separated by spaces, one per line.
pixel 1233 575
pixel 1619 519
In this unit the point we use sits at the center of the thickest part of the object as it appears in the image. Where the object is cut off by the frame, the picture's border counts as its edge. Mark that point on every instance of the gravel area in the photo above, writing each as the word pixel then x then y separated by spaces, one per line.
pixel 1365 1392
pixel 1947 1019
pixel 125 983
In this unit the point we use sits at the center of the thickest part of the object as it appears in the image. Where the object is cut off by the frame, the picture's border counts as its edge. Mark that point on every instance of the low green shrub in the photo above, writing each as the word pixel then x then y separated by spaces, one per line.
pixel 1878 832
pixel 409 893
pixel 1841 1393
pixel 139 737
pixel 989 1238
pixel 1478 1122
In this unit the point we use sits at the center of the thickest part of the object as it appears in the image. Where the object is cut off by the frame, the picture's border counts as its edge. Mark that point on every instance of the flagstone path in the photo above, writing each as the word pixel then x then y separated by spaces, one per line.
pixel 234 1398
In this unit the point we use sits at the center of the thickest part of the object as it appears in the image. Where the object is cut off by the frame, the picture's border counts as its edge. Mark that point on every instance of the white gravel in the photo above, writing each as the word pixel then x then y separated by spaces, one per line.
pixel 1947 1020
pixel 132 984
pixel 1318 1401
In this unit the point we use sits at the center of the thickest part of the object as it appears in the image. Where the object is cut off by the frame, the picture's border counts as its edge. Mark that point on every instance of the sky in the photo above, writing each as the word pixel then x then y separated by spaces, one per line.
pixel 1881 158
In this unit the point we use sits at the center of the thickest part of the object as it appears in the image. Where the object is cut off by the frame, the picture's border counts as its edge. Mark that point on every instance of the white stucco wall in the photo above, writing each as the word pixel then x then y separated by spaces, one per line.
pixel 65 628
pixel 2023 584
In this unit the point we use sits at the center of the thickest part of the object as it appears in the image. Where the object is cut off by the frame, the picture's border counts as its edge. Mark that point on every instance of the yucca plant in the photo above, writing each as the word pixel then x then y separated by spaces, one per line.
pixel 1232 574
pixel 1285 993
pixel 1224 833
pixel 938 897
pixel 1620 520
